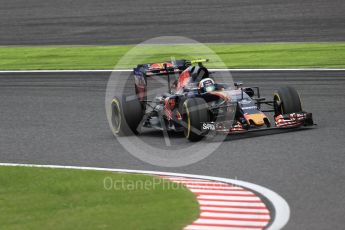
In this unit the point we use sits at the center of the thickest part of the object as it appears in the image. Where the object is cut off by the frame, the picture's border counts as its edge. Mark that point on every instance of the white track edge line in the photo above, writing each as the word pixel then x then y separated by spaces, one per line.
pixel 281 207
pixel 129 70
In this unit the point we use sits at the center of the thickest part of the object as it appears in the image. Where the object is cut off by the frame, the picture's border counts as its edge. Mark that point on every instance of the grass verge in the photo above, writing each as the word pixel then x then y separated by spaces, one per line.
pixel 256 55
pixel 41 198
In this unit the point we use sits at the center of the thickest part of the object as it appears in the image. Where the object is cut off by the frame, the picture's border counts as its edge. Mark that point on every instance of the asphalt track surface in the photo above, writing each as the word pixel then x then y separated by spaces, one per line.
pixel 60 119
pixel 38 22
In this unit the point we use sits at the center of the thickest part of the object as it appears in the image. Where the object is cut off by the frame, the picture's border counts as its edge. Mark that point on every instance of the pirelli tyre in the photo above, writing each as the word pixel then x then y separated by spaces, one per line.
pixel 195 112
pixel 286 100
pixel 126 115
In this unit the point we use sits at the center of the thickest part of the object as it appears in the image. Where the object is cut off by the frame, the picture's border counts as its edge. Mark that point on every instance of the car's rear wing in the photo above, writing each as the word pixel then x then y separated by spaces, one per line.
pixel 162 68
pixel 142 71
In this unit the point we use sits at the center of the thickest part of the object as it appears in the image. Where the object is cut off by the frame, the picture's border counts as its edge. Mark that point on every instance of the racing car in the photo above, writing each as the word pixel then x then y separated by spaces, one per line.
pixel 197 105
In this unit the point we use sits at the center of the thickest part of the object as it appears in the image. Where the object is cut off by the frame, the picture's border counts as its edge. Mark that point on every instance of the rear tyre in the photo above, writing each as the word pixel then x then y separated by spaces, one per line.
pixel 195 111
pixel 125 116
pixel 286 100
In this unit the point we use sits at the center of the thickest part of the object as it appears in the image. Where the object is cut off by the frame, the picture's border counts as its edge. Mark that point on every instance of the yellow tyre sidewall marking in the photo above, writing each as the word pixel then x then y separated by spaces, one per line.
pixel 281 107
pixel 117 103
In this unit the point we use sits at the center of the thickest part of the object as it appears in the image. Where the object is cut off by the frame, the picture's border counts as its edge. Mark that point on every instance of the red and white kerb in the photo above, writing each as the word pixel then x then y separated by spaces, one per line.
pixel 225 206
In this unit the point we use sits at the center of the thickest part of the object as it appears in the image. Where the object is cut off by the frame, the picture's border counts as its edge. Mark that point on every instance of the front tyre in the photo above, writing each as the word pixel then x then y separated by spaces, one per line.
pixel 195 112
pixel 125 116
pixel 286 100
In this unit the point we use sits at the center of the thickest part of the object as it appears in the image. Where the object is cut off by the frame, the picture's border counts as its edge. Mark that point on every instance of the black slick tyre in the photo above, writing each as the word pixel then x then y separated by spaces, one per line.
pixel 286 100
pixel 125 116
pixel 195 112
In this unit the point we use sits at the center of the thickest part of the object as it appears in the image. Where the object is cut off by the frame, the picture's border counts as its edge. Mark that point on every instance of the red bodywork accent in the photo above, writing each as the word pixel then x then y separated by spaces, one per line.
pixel 237 128
pixel 168 113
pixel 160 69
pixel 160 65
pixel 169 105
pixel 290 120
pixel 183 79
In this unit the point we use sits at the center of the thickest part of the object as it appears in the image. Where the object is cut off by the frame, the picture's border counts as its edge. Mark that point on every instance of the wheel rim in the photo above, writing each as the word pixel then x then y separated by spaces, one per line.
pixel 278 104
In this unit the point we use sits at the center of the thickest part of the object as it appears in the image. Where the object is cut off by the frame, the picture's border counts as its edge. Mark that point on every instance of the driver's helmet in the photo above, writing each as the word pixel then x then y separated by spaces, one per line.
pixel 206 85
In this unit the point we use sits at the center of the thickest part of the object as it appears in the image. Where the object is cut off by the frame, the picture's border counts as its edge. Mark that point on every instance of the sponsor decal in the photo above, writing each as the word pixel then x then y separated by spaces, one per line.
pixel 249 107
pixel 208 126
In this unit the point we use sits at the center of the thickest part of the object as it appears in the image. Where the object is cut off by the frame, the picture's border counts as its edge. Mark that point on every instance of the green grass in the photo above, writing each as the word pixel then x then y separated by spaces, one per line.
pixel 38 198
pixel 256 55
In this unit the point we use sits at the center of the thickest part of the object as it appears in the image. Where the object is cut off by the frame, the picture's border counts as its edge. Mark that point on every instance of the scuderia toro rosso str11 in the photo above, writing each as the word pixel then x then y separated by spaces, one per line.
pixel 197 105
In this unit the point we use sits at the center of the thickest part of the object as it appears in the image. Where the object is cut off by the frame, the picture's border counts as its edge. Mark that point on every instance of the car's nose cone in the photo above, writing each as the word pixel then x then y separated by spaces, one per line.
pixel 257 119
